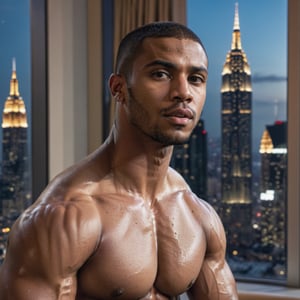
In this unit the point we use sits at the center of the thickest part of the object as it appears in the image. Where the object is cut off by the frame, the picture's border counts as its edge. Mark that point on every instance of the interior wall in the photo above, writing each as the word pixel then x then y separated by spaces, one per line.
pixel 95 67
pixel 67 79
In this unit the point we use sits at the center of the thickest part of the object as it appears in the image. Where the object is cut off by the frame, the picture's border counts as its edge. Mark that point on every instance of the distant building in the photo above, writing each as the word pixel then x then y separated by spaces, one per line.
pixel 15 180
pixel 190 160
pixel 273 196
pixel 236 153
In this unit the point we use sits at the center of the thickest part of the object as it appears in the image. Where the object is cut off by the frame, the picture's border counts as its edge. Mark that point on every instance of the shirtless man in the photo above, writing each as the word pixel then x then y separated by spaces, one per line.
pixel 122 224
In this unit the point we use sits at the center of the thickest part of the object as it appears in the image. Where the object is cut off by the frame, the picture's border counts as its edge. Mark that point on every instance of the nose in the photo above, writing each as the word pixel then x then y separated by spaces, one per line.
pixel 180 90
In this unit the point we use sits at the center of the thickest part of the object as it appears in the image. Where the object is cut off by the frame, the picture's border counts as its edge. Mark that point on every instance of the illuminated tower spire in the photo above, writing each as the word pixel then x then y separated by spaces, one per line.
pixel 236 34
pixel 14 84
pixel 14 113
pixel 236 24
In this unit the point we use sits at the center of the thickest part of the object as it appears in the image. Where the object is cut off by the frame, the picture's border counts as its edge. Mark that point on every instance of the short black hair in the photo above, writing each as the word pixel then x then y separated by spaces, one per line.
pixel 131 43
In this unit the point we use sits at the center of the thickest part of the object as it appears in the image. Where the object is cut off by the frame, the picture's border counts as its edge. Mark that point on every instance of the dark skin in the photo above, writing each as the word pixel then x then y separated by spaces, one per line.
pixel 122 224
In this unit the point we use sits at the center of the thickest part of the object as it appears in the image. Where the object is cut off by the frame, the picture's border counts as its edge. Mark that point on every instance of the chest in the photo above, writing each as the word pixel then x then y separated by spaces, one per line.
pixel 142 248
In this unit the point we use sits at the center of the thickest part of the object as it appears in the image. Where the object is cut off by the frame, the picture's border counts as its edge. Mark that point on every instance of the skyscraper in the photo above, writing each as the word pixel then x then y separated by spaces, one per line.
pixel 15 183
pixel 236 156
pixel 190 160
pixel 273 186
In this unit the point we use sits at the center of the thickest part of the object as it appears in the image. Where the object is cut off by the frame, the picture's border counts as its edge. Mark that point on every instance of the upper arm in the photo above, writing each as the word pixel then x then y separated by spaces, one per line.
pixel 47 246
pixel 215 280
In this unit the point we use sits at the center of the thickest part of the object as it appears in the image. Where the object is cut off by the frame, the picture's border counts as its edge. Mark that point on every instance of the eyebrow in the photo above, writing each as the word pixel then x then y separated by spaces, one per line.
pixel 170 65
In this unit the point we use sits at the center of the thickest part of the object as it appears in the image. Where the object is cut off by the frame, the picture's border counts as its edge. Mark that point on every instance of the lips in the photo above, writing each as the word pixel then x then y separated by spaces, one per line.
pixel 179 116
pixel 180 113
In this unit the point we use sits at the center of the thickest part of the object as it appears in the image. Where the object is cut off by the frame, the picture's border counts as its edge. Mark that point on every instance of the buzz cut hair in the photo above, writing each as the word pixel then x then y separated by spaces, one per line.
pixel 131 44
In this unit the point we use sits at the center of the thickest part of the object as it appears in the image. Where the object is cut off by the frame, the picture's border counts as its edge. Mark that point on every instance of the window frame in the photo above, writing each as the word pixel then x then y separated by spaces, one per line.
pixel 39 92
pixel 293 211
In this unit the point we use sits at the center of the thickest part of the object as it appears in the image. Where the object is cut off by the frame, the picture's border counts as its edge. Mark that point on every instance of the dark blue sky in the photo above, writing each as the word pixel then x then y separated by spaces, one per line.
pixel 263 25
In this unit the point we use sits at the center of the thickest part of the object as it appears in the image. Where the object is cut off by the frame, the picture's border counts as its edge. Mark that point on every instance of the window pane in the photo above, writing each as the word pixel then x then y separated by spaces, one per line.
pixel 244 122
pixel 15 99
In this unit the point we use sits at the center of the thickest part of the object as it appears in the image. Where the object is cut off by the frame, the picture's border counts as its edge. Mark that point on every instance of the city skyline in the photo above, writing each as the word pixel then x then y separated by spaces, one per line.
pixel 263 26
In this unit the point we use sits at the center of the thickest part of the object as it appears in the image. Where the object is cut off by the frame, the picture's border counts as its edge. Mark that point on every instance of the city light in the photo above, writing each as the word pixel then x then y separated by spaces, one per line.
pixel 5 230
pixel 269 195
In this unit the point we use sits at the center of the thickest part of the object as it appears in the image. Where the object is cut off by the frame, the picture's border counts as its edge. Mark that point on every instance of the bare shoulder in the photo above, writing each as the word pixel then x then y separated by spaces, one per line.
pixel 57 234
pixel 53 238
pixel 176 181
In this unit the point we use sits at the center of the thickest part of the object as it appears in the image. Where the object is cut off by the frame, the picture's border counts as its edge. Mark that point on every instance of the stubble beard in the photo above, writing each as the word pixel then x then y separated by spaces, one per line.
pixel 139 118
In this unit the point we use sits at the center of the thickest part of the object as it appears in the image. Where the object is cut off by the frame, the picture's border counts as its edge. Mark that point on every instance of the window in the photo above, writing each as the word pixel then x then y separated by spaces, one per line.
pixel 15 98
pixel 23 102
pixel 245 123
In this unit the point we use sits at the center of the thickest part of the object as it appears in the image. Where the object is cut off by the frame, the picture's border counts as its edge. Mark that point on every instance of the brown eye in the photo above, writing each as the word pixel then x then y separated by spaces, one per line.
pixel 160 75
pixel 196 79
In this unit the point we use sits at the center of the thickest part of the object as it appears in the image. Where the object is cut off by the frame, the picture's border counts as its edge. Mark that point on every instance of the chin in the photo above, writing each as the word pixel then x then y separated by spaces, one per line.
pixel 180 141
pixel 180 138
pixel 171 140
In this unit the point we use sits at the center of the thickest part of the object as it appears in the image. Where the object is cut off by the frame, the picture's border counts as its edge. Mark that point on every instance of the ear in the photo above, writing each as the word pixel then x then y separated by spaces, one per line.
pixel 117 85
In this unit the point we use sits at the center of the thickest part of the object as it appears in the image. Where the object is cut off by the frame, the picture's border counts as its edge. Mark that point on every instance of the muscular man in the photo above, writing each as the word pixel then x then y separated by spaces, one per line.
pixel 122 224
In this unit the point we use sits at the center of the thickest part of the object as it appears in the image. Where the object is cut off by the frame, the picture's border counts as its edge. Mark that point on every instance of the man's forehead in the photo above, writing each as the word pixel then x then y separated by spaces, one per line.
pixel 158 48
pixel 169 43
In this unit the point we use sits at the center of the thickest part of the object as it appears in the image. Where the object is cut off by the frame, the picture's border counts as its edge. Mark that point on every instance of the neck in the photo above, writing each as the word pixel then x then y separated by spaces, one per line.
pixel 139 164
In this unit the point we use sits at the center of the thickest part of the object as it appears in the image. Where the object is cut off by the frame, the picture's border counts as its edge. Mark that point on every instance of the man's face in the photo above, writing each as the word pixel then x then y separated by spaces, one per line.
pixel 166 89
